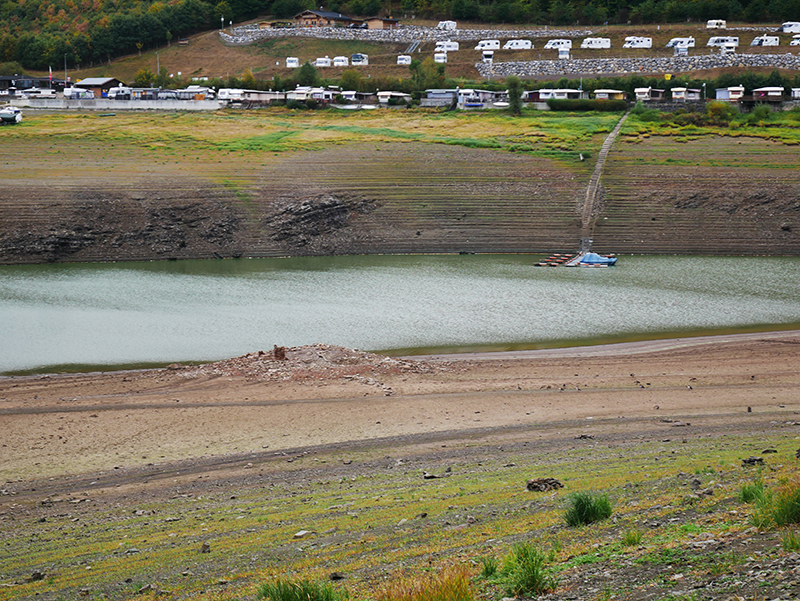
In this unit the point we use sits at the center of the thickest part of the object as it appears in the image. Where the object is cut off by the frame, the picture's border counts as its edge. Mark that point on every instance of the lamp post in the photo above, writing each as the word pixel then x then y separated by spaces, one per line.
pixel 65 69
pixel 158 66
pixel 221 23
pixel 704 90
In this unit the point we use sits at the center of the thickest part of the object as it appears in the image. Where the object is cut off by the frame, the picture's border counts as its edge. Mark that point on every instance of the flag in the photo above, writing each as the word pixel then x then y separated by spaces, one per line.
pixel 51 74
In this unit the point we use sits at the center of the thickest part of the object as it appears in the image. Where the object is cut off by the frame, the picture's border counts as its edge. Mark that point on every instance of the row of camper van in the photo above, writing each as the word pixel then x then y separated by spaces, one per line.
pixel 358 59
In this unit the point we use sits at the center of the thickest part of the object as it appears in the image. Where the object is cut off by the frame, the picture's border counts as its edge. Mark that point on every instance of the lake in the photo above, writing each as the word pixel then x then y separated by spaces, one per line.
pixel 127 314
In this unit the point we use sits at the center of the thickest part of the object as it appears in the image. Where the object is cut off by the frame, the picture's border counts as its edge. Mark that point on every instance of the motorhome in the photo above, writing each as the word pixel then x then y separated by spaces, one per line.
pixel 518 45
pixel 795 41
pixel 440 57
pixel 488 56
pixel 340 61
pixel 292 62
pixel 488 45
pixel 681 43
pixel 322 61
pixel 790 27
pixel 230 94
pixel 359 59
pixel 596 43
pixel 404 59
pixel 119 93
pixel 637 42
pixel 446 46
pixel 728 48
pixel 766 40
pixel 77 94
pixel 716 24
pixel 447 25
pixel 554 44
pixel 723 41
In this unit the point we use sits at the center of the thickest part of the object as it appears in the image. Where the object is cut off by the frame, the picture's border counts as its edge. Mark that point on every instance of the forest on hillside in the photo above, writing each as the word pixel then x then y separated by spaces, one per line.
pixel 37 34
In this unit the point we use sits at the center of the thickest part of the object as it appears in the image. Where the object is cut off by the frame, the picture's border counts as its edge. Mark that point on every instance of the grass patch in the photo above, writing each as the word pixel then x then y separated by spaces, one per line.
pixel 299 590
pixel 586 508
pixel 452 584
pixel 778 508
pixel 525 572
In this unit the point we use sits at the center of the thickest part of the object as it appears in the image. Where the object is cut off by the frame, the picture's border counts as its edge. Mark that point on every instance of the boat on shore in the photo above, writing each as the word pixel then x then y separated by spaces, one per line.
pixel 10 115
pixel 592 259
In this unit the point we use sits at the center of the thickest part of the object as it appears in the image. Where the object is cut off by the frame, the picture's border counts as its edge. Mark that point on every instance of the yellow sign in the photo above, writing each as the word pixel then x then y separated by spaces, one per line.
pixel 667 76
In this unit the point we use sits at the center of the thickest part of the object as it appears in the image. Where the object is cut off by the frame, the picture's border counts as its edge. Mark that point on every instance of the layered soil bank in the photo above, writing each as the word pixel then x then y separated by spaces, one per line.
pixel 68 201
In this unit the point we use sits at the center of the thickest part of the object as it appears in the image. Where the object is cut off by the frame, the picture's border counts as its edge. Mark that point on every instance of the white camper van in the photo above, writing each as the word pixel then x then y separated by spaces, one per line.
pixel 292 62
pixel 518 45
pixel 716 24
pixel 723 40
pixel 634 41
pixel 596 43
pixel 446 46
pixel 681 43
pixel 404 59
pixel 488 45
pixel 790 27
pixel 766 40
pixel 795 41
pixel 359 59
pixel 488 56
pixel 440 57
pixel 447 25
pixel 555 44
pixel 119 93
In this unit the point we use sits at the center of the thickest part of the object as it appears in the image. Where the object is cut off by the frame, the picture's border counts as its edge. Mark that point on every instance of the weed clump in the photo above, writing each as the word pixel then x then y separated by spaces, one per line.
pixel 587 508
pixel 778 509
pixel 284 589
pixel 524 572
pixel 451 585
pixel 752 493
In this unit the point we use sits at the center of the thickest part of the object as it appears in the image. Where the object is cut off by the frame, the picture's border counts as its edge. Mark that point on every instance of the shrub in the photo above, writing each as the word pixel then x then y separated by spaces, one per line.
pixel 524 572
pixel 585 104
pixel 299 590
pixel 451 585
pixel 586 508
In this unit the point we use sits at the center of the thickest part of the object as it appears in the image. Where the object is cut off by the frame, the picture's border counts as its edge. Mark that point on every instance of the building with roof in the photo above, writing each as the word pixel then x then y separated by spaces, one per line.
pixel 323 18
pixel 99 85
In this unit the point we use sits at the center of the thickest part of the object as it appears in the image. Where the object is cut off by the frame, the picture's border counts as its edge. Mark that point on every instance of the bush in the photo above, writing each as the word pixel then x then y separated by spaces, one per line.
pixel 299 590
pixel 584 104
pixel 524 572
pixel 451 585
pixel 790 540
pixel 586 508
pixel 632 538
pixel 488 567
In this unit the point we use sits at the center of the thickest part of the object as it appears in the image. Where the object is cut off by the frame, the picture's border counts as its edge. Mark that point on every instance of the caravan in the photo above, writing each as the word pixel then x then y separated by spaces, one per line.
pixel 596 43
pixel 446 46
pixel 404 59
pixel 359 60
pixel 555 44
pixel 323 61
pixel 637 42
pixel 488 45
pixel 790 27
pixel 518 45
pixel 766 40
pixel 723 41
pixel 716 24
pixel 292 62
pixel 681 43
pixel 447 25
pixel 340 61
pixel 440 57
pixel 795 41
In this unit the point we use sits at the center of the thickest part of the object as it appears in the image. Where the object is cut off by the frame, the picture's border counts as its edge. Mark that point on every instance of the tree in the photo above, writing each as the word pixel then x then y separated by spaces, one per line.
pixel 248 80
pixel 144 78
pixel 307 75
pixel 514 95
pixel 351 80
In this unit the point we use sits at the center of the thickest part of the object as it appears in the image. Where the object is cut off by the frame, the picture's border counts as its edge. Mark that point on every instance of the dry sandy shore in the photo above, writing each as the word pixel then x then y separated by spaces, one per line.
pixel 58 427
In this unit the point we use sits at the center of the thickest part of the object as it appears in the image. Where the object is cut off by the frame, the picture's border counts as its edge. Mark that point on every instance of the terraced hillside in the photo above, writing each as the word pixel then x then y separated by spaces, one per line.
pixel 709 195
pixel 276 183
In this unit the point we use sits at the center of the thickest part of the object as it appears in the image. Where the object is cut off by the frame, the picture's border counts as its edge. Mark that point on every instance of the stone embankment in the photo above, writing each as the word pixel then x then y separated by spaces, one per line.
pixel 403 35
pixel 609 66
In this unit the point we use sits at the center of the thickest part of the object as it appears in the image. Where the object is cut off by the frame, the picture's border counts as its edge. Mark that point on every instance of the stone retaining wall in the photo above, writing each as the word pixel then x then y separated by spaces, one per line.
pixel 104 104
pixel 626 66
pixel 404 35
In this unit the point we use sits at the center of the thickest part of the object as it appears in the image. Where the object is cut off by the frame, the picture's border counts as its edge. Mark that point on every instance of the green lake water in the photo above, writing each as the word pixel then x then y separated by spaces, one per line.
pixel 126 314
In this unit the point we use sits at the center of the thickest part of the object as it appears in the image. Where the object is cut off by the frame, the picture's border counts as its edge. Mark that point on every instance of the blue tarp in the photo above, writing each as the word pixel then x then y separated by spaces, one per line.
pixel 595 259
